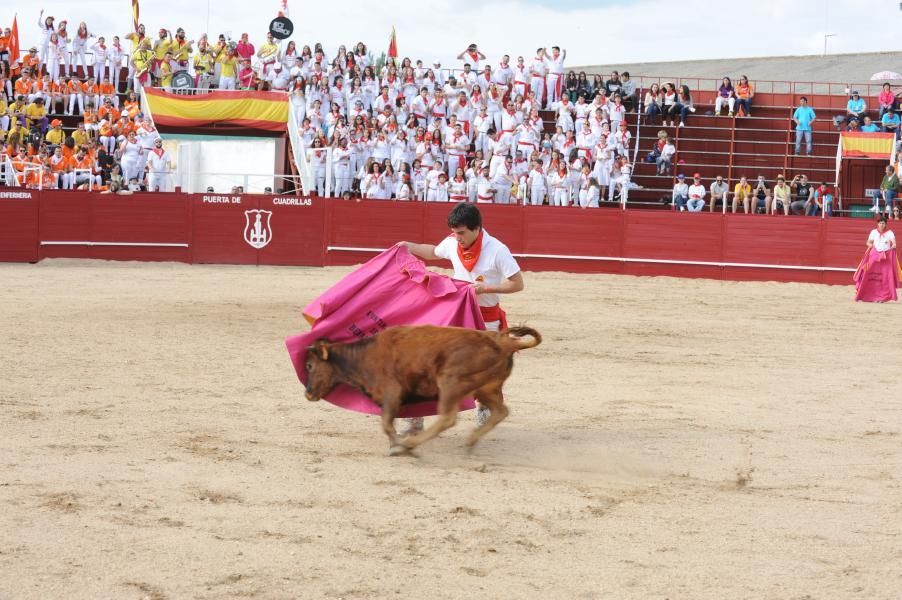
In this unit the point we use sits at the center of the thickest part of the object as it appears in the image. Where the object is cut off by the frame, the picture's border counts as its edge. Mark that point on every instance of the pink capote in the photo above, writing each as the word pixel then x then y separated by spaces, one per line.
pixel 394 288
pixel 877 277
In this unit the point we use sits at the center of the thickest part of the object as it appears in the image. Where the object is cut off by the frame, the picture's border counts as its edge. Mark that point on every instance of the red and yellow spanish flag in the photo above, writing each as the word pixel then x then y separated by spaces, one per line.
pixel 868 145
pixel 393 44
pixel 136 11
pixel 254 110
pixel 14 42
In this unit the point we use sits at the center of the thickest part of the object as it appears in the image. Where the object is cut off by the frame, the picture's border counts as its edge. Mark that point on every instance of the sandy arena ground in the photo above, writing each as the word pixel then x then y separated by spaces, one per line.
pixel 670 439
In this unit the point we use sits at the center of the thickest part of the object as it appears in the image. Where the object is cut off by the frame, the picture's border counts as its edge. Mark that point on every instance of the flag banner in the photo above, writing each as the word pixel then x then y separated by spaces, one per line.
pixel 255 110
pixel 14 42
pixel 393 44
pixel 394 288
pixel 867 145
pixel 136 11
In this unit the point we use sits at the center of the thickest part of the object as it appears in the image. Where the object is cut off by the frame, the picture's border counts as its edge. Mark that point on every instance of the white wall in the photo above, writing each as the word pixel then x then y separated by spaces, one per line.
pixel 222 162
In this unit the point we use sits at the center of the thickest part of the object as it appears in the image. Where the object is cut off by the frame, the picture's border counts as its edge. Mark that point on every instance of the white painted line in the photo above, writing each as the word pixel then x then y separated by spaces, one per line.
pixel 659 261
pixel 126 244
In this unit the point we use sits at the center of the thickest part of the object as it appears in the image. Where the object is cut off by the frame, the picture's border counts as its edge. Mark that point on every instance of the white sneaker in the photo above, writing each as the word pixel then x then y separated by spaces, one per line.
pixel 482 415
pixel 874 209
pixel 682 124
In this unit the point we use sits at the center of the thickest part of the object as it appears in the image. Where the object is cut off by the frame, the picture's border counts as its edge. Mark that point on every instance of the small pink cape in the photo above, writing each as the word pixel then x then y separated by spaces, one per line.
pixel 877 277
pixel 394 288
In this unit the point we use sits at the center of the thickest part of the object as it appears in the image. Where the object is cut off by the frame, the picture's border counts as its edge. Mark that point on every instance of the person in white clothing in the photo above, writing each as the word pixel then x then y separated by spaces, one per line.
pixel 485 189
pixel 341 168
pixel 555 78
pixel 537 71
pixel 484 262
pixel 503 181
pixel 536 183
pixel 374 185
pixel 159 169
pixel 472 56
pixel 881 239
pixel 696 194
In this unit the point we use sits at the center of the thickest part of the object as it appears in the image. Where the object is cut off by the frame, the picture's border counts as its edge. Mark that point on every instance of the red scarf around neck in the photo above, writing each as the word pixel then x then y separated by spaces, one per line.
pixel 470 256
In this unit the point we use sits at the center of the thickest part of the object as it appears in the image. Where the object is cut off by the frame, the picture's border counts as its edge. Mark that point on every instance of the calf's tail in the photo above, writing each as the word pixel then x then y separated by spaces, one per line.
pixel 520 338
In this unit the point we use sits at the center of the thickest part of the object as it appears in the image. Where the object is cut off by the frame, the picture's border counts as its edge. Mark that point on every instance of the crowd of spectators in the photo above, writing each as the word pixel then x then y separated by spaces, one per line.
pixel 797 196
pixel 109 146
pixel 396 129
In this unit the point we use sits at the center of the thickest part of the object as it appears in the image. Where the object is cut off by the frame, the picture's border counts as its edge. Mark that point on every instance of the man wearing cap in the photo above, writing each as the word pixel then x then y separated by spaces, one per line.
pixel 481 260
pixel 856 108
pixel 680 196
pixel 56 136
pixel 696 194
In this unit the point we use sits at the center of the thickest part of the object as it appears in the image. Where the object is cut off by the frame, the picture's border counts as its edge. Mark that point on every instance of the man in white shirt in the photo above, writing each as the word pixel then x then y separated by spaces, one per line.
pixel 481 260
pixel 696 194
pixel 555 78
pixel 159 169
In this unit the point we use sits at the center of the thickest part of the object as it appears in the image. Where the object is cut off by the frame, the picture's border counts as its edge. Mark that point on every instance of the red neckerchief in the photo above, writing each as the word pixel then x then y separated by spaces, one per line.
pixel 474 55
pixel 470 256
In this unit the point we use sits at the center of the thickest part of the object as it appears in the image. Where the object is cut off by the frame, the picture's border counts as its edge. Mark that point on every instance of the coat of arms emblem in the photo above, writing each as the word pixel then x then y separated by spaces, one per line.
pixel 257 229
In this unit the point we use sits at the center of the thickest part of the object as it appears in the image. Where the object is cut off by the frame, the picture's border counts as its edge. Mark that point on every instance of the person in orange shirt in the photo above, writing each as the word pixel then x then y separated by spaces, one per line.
pixel 24 87
pixel 90 119
pixel 41 178
pixel 92 92
pixel 132 106
pixel 61 167
pixel 76 92
pixel 29 62
pixel 5 36
pixel 108 92
pixel 86 169
pixel 108 111
pixel 108 139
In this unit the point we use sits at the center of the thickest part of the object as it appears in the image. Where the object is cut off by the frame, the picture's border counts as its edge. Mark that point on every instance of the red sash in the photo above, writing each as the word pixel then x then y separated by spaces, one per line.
pixel 494 313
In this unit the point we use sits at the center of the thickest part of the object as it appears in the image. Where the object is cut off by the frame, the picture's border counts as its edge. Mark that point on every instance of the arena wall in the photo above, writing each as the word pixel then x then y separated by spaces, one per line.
pixel 223 229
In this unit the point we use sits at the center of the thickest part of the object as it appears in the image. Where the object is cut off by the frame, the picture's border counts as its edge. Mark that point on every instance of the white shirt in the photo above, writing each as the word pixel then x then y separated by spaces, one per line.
pixel 697 192
pixel 495 264
pixel 883 242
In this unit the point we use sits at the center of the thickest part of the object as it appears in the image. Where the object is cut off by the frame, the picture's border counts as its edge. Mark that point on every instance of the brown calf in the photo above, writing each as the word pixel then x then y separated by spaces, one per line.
pixel 403 365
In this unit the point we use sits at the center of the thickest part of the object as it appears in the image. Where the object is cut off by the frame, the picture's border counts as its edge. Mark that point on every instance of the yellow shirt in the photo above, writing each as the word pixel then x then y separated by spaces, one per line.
pixel 203 63
pixel 80 137
pixel 161 47
pixel 229 66
pixel 134 39
pixel 4 107
pixel 35 112
pixel 742 191
pixel 267 50
pixel 56 136
pixel 179 51
pixel 165 74
pixel 141 59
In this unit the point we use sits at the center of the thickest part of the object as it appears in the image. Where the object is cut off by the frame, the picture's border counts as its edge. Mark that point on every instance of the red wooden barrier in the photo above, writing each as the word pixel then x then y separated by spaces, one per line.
pixel 19 219
pixel 257 229
pixel 144 226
